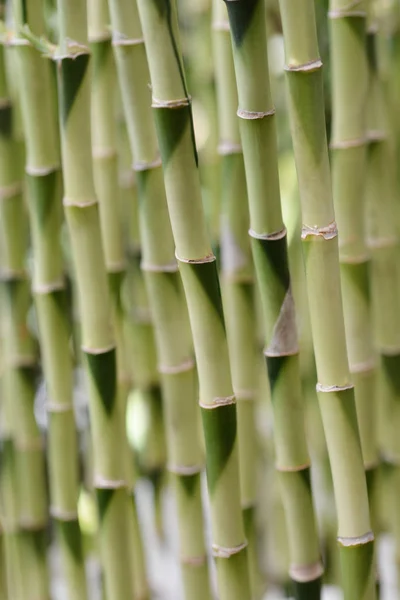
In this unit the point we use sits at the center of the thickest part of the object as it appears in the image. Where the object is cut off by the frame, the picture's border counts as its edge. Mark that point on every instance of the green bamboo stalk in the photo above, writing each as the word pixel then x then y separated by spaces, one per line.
pixel 105 165
pixel 383 241
pixel 269 244
pixel 24 486
pixel 238 281
pixel 319 235
pixel 349 143
pixel 166 300
pixel 173 114
pixel 82 216
pixel 43 177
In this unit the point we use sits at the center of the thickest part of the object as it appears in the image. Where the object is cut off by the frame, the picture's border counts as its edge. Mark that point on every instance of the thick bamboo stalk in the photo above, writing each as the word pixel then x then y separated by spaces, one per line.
pixel 319 235
pixel 82 216
pixel 166 301
pixel 269 245
pixel 173 114
pixel 44 195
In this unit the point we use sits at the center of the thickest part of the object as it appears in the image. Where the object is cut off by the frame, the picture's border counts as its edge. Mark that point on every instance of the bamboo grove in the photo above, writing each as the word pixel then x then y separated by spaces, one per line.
pixel 199 299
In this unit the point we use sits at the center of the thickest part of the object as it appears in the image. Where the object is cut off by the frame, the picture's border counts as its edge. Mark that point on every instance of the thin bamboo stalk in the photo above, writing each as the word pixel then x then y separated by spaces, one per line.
pixel 167 303
pixel 43 177
pixel 173 114
pixel 269 244
pixel 24 485
pixel 111 479
pixel 237 278
pixel 319 235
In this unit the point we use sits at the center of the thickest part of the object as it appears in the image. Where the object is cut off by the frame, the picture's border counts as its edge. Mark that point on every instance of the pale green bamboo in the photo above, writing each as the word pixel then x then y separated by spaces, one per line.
pixel 44 194
pixel 167 303
pixel 172 110
pixel 269 244
pixel 238 282
pixel 383 240
pixel 24 486
pixel 82 215
pixel 319 235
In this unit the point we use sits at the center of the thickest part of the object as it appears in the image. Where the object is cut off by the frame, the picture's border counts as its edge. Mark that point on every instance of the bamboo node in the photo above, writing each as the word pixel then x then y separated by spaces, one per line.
pixel 31 524
pixel 193 561
pixel 270 237
pixel 197 261
pixel 308 67
pixel 343 13
pixel 225 148
pixel 10 191
pixel 305 573
pixel 377 243
pixel 21 361
pixel 224 552
pixel 334 388
pixel 79 203
pixel 103 152
pixel 349 542
pixel 178 103
pixel 218 402
pixel 376 135
pixel 116 267
pixel 167 268
pixel 103 483
pixel 58 407
pixel 363 367
pixel 185 470
pixel 47 288
pixel 29 445
pixel 186 365
pixel 146 166
pixel 103 36
pixel 389 350
pixel 253 115
pixel 221 26
pixel 63 515
pixel 293 469
pixel 96 351
pixel 120 39
pixel 5 103
pixel 328 232
pixel 345 144
pixel 41 171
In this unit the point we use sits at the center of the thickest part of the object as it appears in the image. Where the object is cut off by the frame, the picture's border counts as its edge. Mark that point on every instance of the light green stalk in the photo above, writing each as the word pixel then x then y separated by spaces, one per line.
pixel 238 281
pixel 24 485
pixel 173 114
pixel 319 235
pixel 44 191
pixel 82 215
pixel 349 144
pixel 105 164
pixel 166 299
pixel 269 244
pixel 383 240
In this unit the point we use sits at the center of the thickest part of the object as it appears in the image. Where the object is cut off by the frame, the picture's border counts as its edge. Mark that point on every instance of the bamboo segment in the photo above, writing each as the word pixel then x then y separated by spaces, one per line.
pixel 167 302
pixel 172 109
pixel 383 240
pixel 82 215
pixel 349 143
pixel 319 235
pixel 45 210
pixel 269 245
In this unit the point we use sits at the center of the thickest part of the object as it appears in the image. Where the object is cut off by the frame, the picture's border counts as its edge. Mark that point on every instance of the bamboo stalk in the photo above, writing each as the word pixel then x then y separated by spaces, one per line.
pixel 238 281
pixel 319 235
pixel 269 244
pixel 172 109
pixel 43 178
pixel 167 302
pixel 24 489
pixel 111 479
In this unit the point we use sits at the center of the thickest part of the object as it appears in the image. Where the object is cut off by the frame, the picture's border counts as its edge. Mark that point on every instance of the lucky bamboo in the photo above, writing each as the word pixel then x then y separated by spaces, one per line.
pixel 320 241
pixel 269 244
pixel 174 123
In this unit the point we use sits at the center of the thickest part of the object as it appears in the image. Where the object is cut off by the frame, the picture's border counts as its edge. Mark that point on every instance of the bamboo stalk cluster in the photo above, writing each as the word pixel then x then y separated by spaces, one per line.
pixel 147 240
